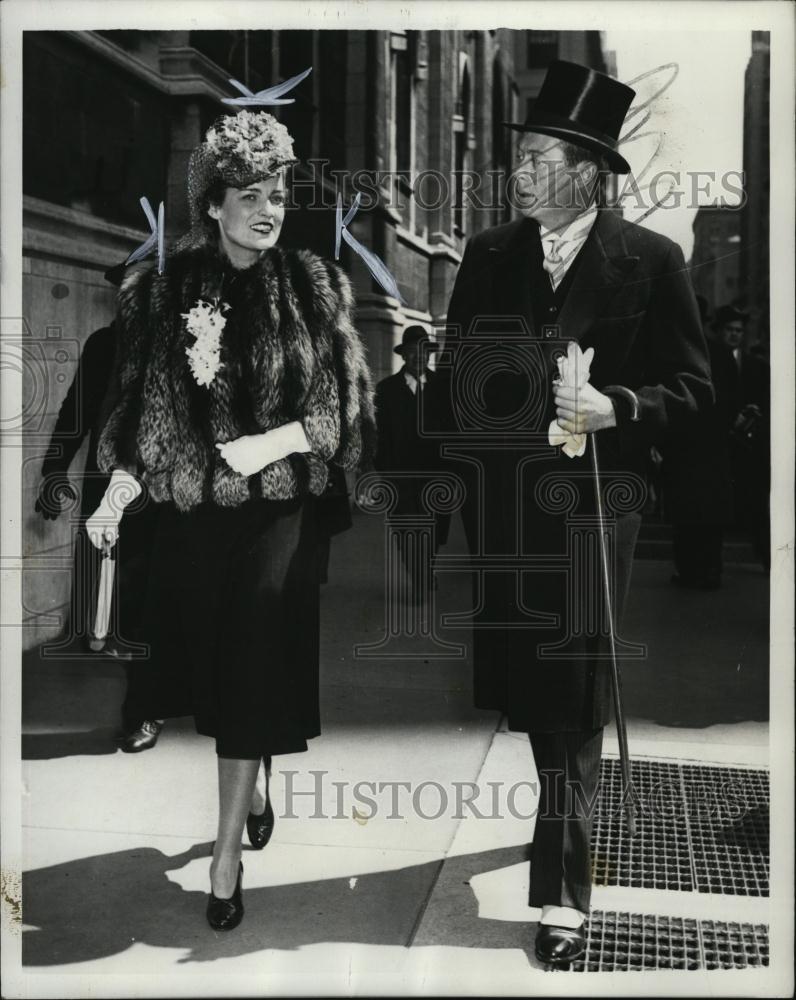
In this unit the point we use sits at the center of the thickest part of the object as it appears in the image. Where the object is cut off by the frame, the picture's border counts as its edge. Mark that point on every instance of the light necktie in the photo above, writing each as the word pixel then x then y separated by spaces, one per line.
pixel 553 259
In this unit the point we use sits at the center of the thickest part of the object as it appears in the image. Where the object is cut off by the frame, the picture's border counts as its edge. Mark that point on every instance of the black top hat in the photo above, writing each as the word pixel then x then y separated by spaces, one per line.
pixel 583 107
pixel 415 335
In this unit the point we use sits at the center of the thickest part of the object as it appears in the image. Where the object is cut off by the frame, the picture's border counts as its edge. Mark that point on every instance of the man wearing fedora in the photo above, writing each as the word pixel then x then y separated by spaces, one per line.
pixel 570 270
pixel 409 405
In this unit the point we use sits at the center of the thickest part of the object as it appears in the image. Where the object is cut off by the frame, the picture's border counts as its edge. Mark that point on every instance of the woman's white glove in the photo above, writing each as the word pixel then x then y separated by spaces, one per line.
pixel 104 522
pixel 253 452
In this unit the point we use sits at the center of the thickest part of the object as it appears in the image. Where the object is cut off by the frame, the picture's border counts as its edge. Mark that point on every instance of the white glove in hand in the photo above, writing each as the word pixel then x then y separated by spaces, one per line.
pixel 573 372
pixel 104 522
pixel 251 453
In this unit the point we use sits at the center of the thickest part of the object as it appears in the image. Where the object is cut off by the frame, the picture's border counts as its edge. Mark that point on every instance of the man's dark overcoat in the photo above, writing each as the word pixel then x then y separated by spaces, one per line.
pixel 628 296
pixel 408 429
pixel 697 475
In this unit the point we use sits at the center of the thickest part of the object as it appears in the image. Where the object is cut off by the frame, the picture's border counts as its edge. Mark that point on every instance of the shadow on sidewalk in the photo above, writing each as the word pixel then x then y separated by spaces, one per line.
pixel 97 907
pixel 707 651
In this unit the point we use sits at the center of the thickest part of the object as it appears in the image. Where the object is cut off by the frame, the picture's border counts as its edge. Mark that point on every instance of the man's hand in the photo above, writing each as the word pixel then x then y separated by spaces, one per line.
pixel 581 411
pixel 55 494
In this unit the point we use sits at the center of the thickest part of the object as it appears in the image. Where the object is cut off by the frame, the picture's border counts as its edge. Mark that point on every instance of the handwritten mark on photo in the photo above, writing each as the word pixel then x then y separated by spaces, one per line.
pixel 155 238
pixel 268 96
pixel 374 264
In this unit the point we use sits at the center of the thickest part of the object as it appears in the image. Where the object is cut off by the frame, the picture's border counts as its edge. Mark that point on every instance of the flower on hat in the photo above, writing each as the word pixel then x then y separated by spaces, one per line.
pixel 249 144
pixel 206 321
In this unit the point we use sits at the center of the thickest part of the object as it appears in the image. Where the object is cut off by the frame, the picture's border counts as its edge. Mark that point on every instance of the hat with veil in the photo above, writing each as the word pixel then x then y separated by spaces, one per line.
pixel 237 150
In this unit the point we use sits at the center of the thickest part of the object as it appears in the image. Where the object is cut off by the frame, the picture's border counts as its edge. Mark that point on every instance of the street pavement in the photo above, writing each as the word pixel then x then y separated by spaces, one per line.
pixel 378 880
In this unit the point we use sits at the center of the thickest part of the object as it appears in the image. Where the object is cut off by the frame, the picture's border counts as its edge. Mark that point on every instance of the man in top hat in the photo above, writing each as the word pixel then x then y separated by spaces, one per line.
pixel 409 404
pixel 79 417
pixel 569 270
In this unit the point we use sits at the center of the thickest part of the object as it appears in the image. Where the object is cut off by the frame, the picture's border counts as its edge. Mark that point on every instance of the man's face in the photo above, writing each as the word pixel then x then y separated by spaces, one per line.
pixel 413 359
pixel 251 218
pixel 542 181
pixel 732 334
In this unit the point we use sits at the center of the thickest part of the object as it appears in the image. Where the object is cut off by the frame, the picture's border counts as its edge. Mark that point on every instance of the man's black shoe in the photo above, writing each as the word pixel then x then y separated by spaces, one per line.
pixel 559 945
pixel 142 738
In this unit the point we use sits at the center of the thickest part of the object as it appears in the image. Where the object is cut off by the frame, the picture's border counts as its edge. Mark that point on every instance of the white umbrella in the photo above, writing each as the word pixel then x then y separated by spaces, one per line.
pixel 104 595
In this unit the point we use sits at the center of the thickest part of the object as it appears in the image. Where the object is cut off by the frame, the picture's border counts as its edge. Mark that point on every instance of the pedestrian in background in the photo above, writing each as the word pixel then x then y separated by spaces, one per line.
pixel 79 418
pixel 411 407
pixel 697 476
pixel 750 447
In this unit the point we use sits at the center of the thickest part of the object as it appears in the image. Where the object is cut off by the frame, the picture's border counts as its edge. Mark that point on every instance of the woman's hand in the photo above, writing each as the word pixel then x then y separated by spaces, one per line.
pixel 251 453
pixel 103 525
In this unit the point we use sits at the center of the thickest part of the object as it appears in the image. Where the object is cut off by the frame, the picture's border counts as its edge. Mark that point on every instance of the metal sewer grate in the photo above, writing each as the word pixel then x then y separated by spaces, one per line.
pixel 729 829
pixel 624 942
pixel 698 828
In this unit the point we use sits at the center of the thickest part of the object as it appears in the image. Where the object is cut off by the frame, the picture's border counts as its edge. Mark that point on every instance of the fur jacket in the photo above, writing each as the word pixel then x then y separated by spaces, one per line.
pixel 289 351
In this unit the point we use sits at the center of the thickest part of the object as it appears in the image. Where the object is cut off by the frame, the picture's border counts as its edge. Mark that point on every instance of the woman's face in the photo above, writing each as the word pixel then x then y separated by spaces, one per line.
pixel 250 219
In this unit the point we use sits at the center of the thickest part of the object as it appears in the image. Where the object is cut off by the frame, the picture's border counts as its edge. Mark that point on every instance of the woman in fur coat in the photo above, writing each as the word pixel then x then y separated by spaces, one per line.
pixel 239 377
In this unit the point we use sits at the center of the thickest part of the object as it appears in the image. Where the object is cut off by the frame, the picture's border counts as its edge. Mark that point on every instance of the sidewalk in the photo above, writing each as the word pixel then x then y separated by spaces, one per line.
pixel 117 846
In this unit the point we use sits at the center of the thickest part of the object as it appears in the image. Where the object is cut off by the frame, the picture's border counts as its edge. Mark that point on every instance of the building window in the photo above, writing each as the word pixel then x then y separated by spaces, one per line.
pixel 501 143
pixel 245 55
pixel 95 138
pixel 461 129
pixel 296 53
pixel 542 48
pixel 402 122
pixel 331 72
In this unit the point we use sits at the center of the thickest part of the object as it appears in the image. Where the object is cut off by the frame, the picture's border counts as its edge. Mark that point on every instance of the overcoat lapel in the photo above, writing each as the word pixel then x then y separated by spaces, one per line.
pixel 512 261
pixel 604 267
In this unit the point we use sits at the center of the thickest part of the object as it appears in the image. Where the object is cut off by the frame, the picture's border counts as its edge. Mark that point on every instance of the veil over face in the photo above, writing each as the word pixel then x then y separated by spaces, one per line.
pixel 237 150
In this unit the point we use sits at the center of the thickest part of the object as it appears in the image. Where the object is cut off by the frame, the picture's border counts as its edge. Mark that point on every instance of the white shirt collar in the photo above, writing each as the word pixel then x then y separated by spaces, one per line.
pixel 411 381
pixel 577 231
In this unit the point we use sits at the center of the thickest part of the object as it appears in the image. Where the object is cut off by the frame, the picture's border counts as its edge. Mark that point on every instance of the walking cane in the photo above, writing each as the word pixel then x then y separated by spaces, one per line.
pixel 616 678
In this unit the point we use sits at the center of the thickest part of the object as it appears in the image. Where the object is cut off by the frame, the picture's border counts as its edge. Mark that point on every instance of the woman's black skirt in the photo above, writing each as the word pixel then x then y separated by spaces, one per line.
pixel 232 617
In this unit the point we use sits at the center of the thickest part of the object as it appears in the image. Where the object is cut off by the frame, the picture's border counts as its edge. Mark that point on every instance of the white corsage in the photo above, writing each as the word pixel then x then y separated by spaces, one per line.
pixel 206 321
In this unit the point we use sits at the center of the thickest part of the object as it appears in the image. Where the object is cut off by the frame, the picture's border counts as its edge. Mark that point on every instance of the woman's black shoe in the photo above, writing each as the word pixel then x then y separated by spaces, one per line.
pixel 260 828
pixel 226 914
